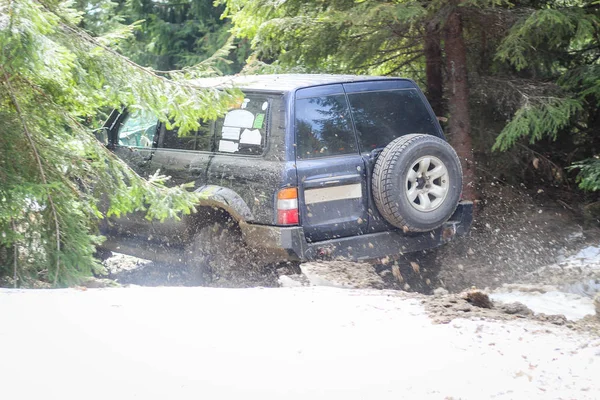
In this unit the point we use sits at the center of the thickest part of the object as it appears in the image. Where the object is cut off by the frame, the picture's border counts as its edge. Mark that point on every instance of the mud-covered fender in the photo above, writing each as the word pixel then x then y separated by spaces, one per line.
pixel 227 199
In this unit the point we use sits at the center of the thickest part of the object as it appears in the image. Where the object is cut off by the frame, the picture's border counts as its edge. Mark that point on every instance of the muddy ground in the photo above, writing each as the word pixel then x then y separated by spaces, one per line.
pixel 517 238
pixel 514 234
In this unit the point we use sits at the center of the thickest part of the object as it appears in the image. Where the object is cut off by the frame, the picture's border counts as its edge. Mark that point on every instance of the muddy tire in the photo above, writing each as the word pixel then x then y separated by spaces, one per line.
pixel 417 182
pixel 217 256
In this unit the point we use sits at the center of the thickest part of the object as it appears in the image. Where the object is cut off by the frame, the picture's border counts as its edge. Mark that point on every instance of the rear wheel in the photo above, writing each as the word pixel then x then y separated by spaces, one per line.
pixel 216 255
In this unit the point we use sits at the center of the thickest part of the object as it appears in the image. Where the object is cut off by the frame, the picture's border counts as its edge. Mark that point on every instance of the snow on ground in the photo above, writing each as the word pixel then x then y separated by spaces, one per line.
pixel 589 256
pixel 572 306
pixel 567 287
pixel 292 343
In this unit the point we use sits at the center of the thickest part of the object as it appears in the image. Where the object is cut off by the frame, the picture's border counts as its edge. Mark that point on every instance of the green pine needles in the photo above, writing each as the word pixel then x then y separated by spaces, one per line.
pixel 55 177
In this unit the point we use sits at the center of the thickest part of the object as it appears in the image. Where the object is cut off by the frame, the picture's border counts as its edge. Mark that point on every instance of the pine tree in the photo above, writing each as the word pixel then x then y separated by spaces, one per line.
pixel 555 49
pixel 169 35
pixel 401 37
pixel 53 172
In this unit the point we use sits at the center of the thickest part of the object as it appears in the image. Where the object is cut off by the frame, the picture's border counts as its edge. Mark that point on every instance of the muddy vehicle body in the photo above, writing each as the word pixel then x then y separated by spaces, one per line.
pixel 305 167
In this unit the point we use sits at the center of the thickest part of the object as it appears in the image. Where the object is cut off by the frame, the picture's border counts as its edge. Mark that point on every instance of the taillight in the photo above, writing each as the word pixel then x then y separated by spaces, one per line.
pixel 287 206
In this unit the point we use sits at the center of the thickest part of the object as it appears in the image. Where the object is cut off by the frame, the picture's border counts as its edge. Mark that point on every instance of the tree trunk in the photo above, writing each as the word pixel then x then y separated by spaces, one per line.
pixel 458 90
pixel 433 68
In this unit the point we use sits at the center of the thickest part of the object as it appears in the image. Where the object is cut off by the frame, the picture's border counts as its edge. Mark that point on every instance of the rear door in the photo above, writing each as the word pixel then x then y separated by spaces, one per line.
pixel 184 157
pixel 242 161
pixel 134 137
pixel 331 172
pixel 383 111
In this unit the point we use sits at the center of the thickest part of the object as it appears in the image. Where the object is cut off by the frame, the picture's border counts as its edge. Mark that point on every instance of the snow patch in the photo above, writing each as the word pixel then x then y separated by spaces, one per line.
pixel 587 258
pixel 589 253
pixel 553 302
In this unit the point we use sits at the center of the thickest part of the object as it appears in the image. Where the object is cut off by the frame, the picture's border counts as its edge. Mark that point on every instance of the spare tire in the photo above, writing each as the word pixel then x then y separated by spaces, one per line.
pixel 417 182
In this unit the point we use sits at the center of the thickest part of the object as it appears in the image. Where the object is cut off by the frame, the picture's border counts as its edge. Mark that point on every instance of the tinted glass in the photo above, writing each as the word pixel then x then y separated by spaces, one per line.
pixel 200 140
pixel 382 116
pixel 323 127
pixel 243 130
pixel 137 129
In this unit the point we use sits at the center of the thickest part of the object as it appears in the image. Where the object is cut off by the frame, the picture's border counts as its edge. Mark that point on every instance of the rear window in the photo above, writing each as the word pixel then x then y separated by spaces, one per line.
pixel 200 140
pixel 243 130
pixel 382 116
pixel 324 127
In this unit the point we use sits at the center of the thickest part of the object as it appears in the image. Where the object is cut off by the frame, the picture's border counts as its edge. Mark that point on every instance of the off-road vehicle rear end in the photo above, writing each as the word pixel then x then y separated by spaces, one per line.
pixel 303 167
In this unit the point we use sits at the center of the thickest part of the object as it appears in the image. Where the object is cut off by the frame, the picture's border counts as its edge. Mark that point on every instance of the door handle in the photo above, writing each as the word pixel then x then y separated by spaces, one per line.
pixel 333 180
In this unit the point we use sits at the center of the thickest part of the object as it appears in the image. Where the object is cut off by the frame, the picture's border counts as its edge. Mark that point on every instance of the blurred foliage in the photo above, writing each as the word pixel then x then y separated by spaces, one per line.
pixel 169 34
pixel 53 172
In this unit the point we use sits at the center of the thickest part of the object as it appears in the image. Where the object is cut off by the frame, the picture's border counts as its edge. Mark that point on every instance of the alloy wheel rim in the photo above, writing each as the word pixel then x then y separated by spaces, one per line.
pixel 427 184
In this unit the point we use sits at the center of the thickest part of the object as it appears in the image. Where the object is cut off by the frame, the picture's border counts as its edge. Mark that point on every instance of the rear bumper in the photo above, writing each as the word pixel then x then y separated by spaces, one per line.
pixel 290 242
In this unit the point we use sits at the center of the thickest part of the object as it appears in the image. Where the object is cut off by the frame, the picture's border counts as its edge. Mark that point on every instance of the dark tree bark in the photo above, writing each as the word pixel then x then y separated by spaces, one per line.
pixel 458 103
pixel 433 68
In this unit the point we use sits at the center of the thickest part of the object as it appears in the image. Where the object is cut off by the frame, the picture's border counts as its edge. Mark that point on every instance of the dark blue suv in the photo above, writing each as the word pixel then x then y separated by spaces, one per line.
pixel 304 167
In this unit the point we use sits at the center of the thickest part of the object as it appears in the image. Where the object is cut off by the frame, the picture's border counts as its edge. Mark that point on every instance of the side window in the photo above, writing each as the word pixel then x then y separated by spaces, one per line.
pixel 200 140
pixel 243 130
pixel 384 115
pixel 137 129
pixel 323 127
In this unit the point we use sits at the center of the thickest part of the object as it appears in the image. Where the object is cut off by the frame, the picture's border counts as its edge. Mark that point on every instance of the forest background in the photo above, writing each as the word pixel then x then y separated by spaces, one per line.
pixel 515 84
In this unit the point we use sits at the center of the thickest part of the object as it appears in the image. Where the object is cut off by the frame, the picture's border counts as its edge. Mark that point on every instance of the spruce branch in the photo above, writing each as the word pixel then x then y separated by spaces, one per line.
pixel 40 165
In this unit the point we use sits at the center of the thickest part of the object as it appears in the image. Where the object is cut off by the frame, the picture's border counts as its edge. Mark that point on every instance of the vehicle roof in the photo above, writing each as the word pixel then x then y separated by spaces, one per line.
pixel 282 82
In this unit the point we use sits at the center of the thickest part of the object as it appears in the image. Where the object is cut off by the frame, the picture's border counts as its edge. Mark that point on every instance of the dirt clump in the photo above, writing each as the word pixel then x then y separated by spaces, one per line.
pixel 343 274
pixel 445 308
pixel 477 298
pixel 516 308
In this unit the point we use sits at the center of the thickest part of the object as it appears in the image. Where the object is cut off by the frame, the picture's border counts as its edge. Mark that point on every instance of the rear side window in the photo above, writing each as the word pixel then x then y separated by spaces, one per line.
pixel 137 129
pixel 243 130
pixel 200 140
pixel 323 127
pixel 382 116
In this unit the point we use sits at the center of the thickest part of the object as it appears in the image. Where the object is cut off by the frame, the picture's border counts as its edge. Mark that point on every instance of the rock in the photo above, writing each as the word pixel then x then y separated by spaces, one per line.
pixel 477 298
pixel 516 308
pixel 597 305
pixel 439 292
pixel 556 319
